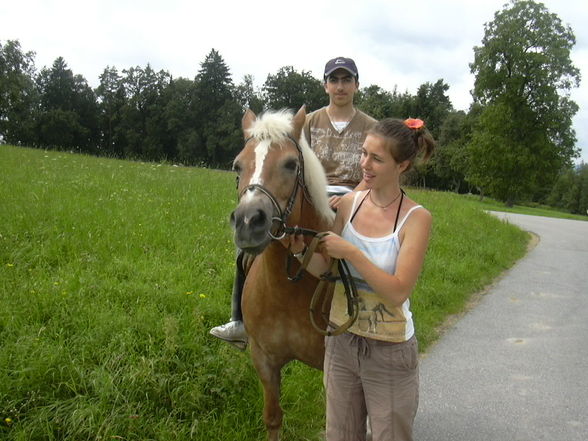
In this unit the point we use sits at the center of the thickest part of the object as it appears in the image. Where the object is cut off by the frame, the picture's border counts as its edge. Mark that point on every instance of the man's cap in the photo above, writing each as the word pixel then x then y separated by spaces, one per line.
pixel 341 63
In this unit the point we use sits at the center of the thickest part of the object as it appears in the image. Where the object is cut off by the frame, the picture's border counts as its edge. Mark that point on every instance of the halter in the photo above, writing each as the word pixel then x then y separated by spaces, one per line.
pixel 282 216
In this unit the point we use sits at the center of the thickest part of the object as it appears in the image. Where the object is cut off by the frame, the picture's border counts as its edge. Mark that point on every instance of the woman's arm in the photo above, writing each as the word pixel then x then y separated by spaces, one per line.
pixel 397 287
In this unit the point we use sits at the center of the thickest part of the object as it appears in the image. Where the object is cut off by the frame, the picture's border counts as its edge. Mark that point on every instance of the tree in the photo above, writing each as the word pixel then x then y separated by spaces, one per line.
pixel 289 89
pixel 143 122
pixel 248 97
pixel 219 114
pixel 374 101
pixel 523 76
pixel 181 114
pixel 380 103
pixel 570 191
pixel 18 95
pixel 449 162
pixel 214 81
pixel 111 100
pixel 432 105
pixel 68 109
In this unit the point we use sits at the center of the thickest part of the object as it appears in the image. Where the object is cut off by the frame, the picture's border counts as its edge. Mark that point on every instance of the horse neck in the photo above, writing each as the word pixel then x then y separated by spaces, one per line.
pixel 304 215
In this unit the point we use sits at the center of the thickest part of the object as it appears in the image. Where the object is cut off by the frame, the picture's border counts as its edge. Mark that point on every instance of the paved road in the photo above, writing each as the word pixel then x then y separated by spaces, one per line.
pixel 515 368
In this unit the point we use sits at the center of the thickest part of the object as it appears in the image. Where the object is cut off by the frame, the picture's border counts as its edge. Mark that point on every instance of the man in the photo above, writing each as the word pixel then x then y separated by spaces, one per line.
pixel 336 134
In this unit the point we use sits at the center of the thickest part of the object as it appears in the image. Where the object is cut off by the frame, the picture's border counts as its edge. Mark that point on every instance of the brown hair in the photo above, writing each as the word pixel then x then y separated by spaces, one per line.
pixel 403 142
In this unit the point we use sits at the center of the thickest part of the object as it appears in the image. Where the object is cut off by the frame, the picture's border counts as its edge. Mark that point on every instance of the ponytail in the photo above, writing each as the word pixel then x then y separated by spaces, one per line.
pixel 407 140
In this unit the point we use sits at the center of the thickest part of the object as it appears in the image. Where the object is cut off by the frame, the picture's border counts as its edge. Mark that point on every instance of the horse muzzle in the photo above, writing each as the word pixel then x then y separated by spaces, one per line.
pixel 252 223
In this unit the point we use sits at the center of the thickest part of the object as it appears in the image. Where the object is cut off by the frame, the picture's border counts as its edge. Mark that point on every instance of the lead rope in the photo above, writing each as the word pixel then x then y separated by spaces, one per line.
pixel 338 269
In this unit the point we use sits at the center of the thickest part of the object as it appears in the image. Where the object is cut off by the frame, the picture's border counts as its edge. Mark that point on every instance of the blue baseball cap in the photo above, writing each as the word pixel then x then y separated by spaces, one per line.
pixel 341 63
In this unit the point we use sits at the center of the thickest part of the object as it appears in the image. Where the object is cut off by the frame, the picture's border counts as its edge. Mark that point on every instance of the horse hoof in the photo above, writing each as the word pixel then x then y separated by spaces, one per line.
pixel 238 344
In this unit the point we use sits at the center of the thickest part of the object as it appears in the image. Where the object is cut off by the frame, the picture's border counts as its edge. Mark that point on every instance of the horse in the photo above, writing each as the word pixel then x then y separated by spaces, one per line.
pixel 281 185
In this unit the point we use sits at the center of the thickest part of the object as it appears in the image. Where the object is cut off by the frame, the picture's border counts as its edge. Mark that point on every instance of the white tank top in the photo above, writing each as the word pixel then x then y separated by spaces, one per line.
pixel 377 319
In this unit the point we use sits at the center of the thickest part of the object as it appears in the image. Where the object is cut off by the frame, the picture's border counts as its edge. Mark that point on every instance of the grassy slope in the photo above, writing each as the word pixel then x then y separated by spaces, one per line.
pixel 111 274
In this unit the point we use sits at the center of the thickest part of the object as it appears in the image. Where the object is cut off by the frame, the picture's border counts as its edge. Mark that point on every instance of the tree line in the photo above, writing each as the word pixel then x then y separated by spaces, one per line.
pixel 515 142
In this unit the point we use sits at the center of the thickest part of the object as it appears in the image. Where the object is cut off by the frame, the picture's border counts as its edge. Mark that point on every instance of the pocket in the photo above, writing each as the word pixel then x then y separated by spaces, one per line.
pixel 410 354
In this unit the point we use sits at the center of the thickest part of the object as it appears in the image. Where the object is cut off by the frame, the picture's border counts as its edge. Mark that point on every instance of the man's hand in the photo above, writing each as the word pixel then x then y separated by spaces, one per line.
pixel 334 202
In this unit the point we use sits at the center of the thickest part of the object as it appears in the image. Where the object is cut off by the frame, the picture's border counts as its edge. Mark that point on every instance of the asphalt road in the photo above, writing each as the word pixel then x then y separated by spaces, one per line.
pixel 515 367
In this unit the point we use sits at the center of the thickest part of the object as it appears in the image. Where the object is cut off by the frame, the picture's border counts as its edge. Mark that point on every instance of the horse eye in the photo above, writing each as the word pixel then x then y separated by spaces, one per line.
pixel 237 168
pixel 291 164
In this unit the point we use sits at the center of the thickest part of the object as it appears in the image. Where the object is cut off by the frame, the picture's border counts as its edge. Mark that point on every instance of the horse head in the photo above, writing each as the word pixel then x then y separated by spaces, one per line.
pixel 276 170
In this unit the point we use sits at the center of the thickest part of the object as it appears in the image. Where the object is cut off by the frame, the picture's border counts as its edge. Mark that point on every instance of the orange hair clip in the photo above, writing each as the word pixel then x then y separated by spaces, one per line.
pixel 414 123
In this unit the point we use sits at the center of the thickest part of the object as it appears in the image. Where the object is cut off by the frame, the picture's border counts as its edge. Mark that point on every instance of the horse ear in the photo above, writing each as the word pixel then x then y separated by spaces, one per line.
pixel 247 121
pixel 298 122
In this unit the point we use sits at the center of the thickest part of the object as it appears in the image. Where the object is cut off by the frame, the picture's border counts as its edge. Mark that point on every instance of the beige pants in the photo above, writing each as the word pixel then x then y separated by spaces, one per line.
pixel 370 377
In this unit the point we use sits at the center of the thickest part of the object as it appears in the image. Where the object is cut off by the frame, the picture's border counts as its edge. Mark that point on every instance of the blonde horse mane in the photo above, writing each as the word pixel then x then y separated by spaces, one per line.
pixel 275 126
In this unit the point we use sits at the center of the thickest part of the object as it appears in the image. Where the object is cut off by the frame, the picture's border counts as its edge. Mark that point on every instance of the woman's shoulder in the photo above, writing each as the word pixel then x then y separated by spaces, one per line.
pixel 346 205
pixel 416 210
pixel 417 220
pixel 349 198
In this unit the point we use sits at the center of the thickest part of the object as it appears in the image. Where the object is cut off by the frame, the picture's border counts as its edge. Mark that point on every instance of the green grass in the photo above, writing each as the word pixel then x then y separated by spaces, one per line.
pixel 112 273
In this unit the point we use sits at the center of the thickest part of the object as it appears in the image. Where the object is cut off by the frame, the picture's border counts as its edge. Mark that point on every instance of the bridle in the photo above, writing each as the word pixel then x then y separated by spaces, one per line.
pixel 282 216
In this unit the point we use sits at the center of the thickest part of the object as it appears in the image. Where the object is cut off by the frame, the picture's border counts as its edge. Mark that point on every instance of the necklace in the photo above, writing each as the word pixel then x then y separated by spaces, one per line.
pixel 384 207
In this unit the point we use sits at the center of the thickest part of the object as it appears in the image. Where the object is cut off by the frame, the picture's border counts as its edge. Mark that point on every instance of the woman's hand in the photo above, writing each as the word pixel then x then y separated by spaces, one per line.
pixel 336 247
pixel 294 242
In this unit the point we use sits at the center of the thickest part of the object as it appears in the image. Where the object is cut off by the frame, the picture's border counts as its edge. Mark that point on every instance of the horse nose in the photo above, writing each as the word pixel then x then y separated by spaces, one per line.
pixel 251 223
pixel 251 220
pixel 258 220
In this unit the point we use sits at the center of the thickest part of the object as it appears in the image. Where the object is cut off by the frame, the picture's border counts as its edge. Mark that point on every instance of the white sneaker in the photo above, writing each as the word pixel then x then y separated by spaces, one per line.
pixel 232 332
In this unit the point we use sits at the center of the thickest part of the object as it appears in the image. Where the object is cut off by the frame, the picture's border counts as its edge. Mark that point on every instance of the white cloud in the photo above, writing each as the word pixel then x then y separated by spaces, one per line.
pixel 394 43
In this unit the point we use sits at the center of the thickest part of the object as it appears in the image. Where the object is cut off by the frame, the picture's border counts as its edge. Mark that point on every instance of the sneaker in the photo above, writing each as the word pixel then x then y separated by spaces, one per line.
pixel 232 332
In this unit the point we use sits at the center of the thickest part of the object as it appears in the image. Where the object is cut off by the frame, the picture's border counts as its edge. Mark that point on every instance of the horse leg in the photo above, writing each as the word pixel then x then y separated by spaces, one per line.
pixel 270 375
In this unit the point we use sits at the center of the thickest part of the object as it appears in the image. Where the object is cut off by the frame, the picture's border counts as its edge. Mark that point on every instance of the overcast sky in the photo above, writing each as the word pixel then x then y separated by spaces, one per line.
pixel 400 44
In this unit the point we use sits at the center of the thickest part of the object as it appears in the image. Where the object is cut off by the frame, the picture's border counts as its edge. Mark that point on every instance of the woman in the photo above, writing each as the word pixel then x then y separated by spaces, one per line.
pixel 383 235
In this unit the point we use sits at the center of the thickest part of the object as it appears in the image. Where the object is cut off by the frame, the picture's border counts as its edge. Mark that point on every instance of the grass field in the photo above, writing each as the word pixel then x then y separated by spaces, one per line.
pixel 112 273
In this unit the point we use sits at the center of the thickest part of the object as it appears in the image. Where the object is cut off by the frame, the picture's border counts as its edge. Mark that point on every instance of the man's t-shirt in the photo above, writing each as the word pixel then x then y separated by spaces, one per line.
pixel 338 151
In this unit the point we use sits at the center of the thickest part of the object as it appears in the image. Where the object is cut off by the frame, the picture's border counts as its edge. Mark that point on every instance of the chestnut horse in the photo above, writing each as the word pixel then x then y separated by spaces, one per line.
pixel 281 185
